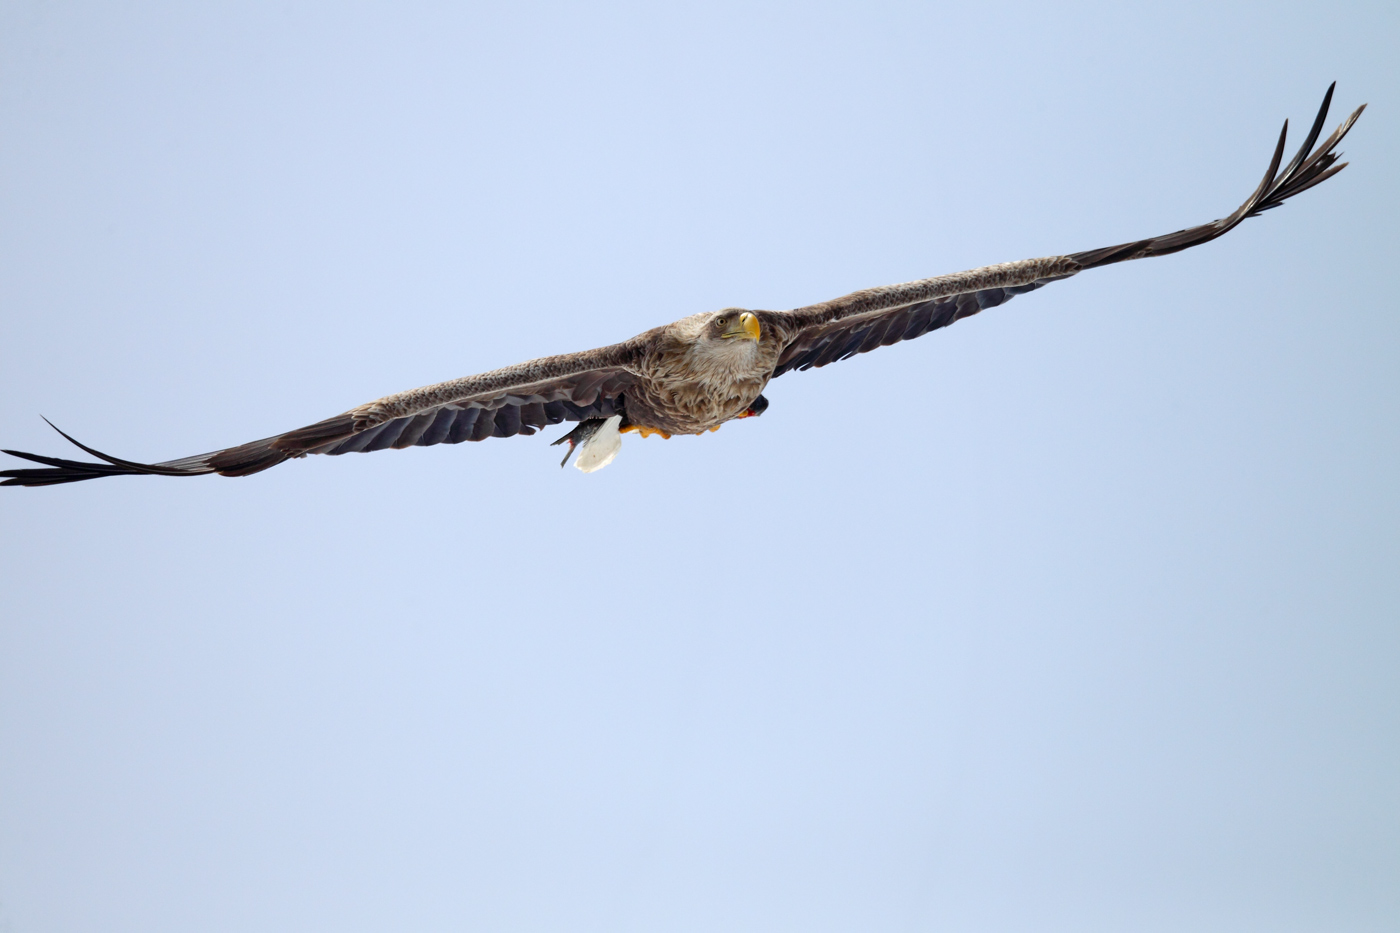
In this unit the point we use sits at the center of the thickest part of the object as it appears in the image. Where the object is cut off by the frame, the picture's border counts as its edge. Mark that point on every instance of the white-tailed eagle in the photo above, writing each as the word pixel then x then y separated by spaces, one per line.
pixel 691 376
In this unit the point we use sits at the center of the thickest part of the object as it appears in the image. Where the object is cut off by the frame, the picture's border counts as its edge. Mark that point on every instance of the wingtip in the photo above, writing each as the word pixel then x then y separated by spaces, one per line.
pixel 69 471
pixel 1309 167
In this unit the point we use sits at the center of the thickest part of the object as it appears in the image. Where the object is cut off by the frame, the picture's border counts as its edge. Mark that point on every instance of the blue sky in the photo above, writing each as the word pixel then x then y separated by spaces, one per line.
pixel 1079 615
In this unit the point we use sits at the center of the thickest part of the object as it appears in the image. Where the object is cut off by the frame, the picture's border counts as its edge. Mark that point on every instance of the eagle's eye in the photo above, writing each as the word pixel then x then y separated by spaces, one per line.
pixel 720 322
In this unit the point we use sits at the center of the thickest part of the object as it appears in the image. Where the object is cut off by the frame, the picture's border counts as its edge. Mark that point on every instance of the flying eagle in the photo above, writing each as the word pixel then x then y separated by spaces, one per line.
pixel 691 376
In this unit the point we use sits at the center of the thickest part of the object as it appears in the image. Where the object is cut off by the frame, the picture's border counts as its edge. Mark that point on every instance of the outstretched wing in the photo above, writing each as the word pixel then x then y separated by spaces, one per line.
pixel 502 403
pixel 878 317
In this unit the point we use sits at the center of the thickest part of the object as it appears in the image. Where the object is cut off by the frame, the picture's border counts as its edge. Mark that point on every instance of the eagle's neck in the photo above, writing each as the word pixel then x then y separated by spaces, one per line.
pixel 722 362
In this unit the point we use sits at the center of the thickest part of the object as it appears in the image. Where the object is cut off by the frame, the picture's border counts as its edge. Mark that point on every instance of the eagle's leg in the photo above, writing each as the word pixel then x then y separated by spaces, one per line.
pixel 597 441
pixel 759 406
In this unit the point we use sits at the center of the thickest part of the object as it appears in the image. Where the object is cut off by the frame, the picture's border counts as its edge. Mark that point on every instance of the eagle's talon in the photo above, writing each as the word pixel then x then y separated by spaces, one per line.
pixel 645 431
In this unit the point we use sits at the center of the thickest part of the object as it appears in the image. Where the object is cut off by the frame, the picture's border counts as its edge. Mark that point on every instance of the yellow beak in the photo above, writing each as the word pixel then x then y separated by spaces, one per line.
pixel 750 324
pixel 746 325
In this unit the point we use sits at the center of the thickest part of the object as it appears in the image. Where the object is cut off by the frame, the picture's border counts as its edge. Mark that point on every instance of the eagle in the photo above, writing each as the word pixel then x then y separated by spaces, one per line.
pixel 693 375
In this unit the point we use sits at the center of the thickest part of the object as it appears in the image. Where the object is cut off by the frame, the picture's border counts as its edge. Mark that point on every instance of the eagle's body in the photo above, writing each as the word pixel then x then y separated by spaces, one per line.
pixel 693 375
pixel 691 385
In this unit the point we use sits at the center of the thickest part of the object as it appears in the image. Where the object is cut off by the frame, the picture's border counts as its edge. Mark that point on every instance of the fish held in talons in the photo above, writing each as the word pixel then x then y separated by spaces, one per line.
pixel 597 442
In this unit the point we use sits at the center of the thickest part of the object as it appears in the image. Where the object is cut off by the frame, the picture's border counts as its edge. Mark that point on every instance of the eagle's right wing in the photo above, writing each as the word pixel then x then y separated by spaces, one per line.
pixel 502 403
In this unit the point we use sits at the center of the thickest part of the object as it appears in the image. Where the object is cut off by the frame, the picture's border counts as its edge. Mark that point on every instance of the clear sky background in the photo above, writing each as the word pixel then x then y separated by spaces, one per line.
pixel 1083 614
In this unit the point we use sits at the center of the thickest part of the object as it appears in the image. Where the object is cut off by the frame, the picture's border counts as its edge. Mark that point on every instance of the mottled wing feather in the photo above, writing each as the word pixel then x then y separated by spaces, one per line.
pixel 877 317
pixel 502 403
pixel 839 340
pixel 594 395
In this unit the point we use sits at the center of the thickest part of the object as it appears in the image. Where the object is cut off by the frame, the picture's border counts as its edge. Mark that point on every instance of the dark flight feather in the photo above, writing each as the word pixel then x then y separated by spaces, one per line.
pixel 598 395
pixel 821 344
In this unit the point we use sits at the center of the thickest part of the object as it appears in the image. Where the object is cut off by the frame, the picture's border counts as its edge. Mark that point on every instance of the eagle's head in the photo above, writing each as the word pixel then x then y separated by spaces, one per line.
pixel 733 324
pixel 718 347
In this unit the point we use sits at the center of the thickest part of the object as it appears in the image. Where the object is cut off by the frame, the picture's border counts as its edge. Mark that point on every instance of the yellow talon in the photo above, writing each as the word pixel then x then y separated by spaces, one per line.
pixel 645 431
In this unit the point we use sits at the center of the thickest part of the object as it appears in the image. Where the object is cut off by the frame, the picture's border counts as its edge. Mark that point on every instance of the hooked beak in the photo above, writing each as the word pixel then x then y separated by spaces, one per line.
pixel 745 325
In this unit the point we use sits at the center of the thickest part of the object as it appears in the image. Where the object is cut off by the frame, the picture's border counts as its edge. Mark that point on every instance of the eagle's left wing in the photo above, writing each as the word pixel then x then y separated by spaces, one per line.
pixel 877 317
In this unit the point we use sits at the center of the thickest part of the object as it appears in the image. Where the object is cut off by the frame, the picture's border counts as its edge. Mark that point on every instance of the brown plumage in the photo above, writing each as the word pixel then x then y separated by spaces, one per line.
pixel 695 374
